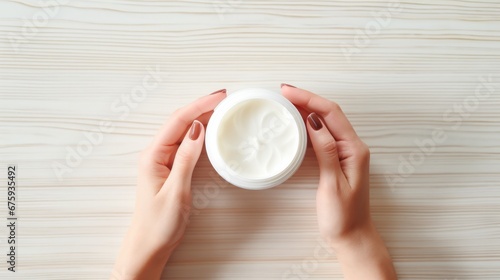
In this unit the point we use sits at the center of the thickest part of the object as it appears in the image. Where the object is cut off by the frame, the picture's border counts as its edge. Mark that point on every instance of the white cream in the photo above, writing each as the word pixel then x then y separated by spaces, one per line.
pixel 258 138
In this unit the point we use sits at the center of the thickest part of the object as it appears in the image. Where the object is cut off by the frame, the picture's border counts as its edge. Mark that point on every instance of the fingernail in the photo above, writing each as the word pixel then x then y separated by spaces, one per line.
pixel 195 130
pixel 219 91
pixel 287 85
pixel 314 121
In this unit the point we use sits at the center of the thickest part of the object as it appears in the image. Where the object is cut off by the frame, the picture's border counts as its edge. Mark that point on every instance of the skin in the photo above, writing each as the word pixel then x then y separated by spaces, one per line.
pixel 342 199
pixel 164 190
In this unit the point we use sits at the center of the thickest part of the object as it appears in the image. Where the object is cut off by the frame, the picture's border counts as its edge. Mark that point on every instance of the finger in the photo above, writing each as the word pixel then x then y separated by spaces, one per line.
pixel 168 158
pixel 174 129
pixel 205 118
pixel 335 119
pixel 325 148
pixel 304 114
pixel 185 159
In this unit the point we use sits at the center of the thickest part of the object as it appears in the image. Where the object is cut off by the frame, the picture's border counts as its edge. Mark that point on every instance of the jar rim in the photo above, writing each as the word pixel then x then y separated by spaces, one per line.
pixel 225 169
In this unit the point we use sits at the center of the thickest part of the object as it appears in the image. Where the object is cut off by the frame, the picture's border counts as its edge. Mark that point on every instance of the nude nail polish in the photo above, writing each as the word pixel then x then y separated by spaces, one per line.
pixel 218 91
pixel 287 85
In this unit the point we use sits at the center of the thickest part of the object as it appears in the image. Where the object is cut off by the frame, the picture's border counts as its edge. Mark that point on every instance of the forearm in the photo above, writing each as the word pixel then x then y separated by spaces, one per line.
pixel 365 256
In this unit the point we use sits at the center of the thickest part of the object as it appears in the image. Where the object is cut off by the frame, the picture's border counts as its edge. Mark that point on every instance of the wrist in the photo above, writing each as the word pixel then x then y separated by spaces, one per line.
pixel 137 266
pixel 140 259
pixel 362 244
pixel 359 237
pixel 364 248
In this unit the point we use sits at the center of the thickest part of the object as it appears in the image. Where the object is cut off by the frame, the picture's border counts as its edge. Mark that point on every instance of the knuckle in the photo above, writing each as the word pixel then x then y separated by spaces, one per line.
pixel 176 114
pixel 149 158
pixel 363 151
pixel 329 148
pixel 145 157
pixel 183 157
pixel 335 106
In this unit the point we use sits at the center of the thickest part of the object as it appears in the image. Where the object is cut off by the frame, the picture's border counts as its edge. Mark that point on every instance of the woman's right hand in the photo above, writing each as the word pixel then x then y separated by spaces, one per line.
pixel 343 207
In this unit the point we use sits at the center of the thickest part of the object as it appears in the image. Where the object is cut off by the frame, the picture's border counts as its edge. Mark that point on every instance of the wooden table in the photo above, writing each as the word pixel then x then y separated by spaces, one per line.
pixel 420 81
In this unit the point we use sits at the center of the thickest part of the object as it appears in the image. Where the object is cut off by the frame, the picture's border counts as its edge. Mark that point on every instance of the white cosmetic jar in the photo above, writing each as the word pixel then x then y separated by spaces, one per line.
pixel 256 139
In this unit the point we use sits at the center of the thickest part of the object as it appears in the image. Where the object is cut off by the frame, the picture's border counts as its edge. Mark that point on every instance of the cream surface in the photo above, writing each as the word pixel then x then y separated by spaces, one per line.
pixel 258 138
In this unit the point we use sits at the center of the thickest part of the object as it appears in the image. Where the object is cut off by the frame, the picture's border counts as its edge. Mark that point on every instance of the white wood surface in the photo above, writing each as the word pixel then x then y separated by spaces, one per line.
pixel 441 221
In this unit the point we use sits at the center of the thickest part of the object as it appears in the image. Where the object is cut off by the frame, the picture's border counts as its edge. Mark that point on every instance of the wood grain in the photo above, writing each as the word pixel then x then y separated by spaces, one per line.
pixel 441 221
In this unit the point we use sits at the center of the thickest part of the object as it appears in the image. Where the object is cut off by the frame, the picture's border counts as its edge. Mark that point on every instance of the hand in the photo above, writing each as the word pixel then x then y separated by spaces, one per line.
pixel 164 192
pixel 343 194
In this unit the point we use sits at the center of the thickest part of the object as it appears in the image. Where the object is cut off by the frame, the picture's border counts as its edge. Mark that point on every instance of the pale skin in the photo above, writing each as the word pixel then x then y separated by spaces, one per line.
pixel 164 190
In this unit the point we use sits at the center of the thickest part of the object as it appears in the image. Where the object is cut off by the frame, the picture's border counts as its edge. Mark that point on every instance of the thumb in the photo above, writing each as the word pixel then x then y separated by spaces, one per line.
pixel 187 156
pixel 325 148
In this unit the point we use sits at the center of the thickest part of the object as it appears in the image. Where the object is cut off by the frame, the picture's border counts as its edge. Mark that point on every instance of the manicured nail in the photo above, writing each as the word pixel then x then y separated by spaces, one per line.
pixel 314 121
pixel 195 130
pixel 219 91
pixel 287 85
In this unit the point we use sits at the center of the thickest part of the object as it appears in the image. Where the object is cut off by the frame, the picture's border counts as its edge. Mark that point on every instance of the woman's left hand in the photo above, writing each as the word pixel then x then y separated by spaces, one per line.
pixel 164 191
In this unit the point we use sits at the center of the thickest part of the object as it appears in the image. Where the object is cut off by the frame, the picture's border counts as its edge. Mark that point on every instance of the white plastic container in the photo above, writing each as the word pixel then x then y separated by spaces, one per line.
pixel 256 139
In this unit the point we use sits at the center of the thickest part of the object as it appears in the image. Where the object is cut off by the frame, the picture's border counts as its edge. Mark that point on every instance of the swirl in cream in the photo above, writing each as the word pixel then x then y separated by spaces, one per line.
pixel 258 138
